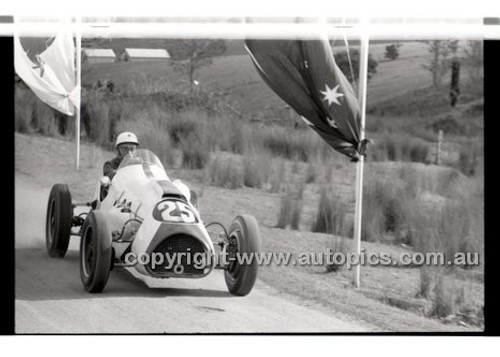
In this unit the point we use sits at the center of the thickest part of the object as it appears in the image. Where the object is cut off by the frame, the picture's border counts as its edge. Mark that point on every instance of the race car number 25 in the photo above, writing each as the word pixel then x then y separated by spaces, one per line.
pixel 174 211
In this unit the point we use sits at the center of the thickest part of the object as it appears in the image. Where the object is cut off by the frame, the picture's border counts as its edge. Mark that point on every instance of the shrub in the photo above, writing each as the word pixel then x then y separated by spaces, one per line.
pixel 418 151
pixel 383 207
pixel 456 227
pixel 177 101
pixel 254 172
pixel 443 300
pixel 311 172
pixel 328 173
pixel 392 51
pixel 342 60
pixel 236 137
pixel 180 128
pixel 100 111
pixel 225 172
pixel 449 125
pixel 96 120
pixel 426 281
pixel 290 208
pixel 224 133
pixel 397 147
pixel 330 215
pixel 147 85
pixel 277 175
pixel 24 103
pixel 450 298
pixel 195 154
pixel 336 245
pixel 469 157
pixel 33 115
pixel 289 144
pixel 45 119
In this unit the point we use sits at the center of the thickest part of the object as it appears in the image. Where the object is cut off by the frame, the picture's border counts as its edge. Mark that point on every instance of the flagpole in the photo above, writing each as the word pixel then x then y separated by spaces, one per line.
pixel 363 76
pixel 78 85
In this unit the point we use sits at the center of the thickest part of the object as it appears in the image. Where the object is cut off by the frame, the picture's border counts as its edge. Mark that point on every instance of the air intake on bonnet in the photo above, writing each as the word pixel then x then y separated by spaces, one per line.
pixel 189 263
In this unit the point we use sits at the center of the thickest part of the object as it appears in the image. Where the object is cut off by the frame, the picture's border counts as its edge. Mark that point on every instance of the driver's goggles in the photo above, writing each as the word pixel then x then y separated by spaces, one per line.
pixel 125 147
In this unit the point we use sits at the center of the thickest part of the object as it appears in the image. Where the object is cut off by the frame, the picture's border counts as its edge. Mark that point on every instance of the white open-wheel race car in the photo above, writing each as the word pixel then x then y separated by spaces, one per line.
pixel 140 213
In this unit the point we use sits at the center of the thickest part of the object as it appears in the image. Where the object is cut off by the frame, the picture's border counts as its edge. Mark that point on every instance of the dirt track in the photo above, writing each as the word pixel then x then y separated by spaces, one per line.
pixel 51 299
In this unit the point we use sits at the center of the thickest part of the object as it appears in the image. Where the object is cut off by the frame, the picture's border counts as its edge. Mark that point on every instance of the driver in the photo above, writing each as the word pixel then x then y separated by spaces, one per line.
pixel 125 143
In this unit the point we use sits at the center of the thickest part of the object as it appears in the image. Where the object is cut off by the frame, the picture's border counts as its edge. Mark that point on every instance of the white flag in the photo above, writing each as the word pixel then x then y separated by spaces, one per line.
pixel 53 79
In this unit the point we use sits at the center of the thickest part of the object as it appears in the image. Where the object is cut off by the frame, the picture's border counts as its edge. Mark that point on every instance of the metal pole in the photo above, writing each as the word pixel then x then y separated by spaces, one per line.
pixel 78 84
pixel 363 76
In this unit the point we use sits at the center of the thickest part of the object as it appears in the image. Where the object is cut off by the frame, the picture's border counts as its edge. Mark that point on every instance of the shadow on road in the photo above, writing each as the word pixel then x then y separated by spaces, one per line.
pixel 39 277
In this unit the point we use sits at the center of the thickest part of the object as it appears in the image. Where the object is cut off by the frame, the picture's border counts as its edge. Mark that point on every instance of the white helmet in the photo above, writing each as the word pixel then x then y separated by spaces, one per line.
pixel 126 137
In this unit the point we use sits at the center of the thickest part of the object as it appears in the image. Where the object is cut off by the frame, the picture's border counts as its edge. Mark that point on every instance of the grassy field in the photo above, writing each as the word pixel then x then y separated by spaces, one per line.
pixel 237 75
pixel 390 298
pixel 280 175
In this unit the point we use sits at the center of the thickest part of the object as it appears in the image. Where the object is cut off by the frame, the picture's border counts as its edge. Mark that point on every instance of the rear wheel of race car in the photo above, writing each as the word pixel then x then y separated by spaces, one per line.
pixel 244 238
pixel 95 253
pixel 58 221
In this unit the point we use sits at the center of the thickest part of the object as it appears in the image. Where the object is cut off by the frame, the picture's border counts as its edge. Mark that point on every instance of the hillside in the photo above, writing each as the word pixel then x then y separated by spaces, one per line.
pixel 236 76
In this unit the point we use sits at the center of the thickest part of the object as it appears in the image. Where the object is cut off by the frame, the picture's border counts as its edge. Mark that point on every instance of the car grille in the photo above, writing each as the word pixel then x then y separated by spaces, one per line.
pixel 181 243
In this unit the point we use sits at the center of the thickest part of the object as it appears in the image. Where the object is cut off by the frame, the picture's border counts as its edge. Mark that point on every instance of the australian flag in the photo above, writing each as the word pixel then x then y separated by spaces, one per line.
pixel 304 74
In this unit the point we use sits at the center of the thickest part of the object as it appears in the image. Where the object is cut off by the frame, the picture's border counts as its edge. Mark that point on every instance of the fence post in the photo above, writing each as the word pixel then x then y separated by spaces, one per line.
pixel 439 146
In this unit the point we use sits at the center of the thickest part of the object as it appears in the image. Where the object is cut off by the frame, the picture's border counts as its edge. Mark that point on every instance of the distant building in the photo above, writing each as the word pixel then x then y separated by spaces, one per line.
pixel 144 54
pixel 98 55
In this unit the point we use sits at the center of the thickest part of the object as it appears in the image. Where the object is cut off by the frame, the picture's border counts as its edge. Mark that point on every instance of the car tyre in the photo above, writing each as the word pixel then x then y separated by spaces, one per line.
pixel 244 238
pixel 96 253
pixel 58 221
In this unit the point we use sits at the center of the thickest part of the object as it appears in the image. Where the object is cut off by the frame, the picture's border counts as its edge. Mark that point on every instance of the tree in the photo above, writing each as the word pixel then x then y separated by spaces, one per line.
pixel 187 56
pixel 440 61
pixel 455 82
pixel 97 42
pixel 342 60
pixel 474 59
pixel 392 51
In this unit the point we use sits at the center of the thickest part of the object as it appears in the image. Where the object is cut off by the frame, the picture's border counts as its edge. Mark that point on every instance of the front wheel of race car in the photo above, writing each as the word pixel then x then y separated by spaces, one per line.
pixel 58 221
pixel 244 239
pixel 96 253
